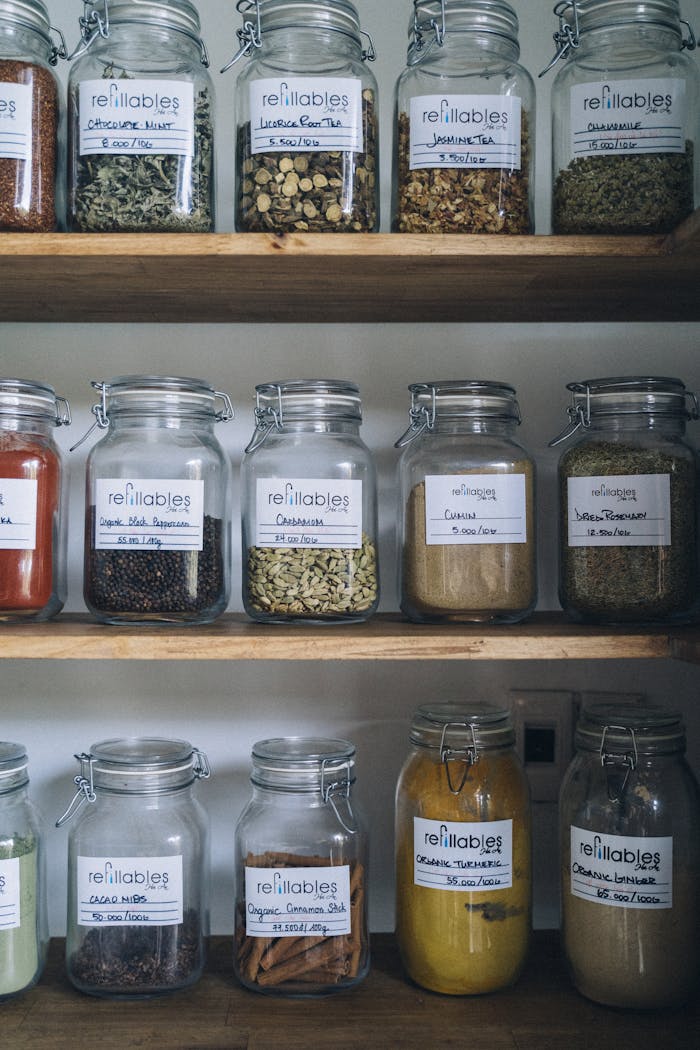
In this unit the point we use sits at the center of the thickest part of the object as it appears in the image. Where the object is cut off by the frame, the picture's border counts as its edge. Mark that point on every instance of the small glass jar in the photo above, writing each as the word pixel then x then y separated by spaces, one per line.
pixel 467 546
pixel 624 118
pixel 309 505
pixel 141 121
pixel 32 503
pixel 465 123
pixel 157 533
pixel 628 494
pixel 301 871
pixel 138 869
pixel 463 854
pixel 30 117
pixel 630 840
pixel 24 934
pixel 307 156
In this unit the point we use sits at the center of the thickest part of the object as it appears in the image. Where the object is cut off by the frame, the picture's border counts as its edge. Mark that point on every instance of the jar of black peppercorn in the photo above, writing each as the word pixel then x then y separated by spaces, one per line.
pixel 157 534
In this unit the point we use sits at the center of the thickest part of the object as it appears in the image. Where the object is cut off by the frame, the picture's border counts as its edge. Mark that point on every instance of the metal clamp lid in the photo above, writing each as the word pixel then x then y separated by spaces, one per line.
pixel 28 399
pixel 180 16
pixel 457 399
pixel 433 20
pixel 280 403
pixel 33 14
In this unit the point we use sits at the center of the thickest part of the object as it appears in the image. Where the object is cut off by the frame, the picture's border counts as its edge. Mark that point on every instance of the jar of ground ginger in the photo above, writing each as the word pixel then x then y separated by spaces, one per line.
pixel 463 855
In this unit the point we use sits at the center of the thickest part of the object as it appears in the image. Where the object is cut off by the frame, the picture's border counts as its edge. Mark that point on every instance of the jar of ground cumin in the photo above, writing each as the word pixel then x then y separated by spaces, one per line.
pixel 630 840
pixel 467 547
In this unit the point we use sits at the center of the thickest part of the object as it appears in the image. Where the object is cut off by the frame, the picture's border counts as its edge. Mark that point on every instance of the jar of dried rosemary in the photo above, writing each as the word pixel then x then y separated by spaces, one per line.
pixel 467 545
pixel 625 117
pixel 309 506
pixel 465 110
pixel 307 120
pixel 628 502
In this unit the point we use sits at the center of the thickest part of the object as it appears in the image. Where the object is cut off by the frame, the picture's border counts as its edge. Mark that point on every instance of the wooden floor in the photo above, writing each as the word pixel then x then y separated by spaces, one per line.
pixel 541 1013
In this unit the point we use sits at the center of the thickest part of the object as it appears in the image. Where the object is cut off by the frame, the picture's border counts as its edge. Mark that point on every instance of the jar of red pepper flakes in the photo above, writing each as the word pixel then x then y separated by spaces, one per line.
pixel 32 519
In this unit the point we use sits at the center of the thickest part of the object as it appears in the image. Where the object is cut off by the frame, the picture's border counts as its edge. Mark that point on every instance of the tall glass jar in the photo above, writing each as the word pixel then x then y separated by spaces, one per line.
pixel 141 120
pixel 30 116
pixel 309 505
pixel 624 117
pixel 32 503
pixel 630 839
pixel 138 869
pixel 307 156
pixel 467 546
pixel 157 533
pixel 628 502
pixel 463 854
pixel 465 123
pixel 24 934
pixel 301 871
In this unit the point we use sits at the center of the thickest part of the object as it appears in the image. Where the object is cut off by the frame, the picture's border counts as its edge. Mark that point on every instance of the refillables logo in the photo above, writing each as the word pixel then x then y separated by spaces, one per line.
pixel 131 496
pixel 282 885
pixel 293 496
pixel 287 97
pixel 609 98
pixel 447 839
pixel 118 96
pixel 110 875
pixel 473 117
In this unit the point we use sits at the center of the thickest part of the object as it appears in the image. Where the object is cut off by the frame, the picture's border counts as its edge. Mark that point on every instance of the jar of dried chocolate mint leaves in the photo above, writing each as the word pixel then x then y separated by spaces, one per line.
pixel 307 119
pixel 628 502
pixel 465 109
pixel 157 531
pixel 625 117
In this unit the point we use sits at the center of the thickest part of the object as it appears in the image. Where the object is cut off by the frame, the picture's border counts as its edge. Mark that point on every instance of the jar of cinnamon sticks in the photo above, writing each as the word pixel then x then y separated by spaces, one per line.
pixel 301 871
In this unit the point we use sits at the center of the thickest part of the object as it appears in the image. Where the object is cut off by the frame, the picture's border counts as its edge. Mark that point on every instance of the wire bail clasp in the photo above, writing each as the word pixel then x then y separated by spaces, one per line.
pixel 422 417
pixel 566 37
pixel 86 790
pixel 418 48
pixel 466 755
pixel 610 760
pixel 248 35
pixel 336 792
pixel 93 23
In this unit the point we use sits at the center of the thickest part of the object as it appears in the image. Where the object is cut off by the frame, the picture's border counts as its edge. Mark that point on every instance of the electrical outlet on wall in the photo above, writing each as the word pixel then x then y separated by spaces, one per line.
pixel 544 733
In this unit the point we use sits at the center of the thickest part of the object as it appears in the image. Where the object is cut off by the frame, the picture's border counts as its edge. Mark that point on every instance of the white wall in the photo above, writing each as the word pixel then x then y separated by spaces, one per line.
pixel 58 708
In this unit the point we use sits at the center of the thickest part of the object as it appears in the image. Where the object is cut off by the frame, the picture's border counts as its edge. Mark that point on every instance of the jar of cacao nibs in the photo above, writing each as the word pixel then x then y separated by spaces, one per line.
pixel 307 120
pixel 467 544
pixel 624 117
pixel 465 110
pixel 157 531
pixel 309 506
pixel 138 869
pixel 628 502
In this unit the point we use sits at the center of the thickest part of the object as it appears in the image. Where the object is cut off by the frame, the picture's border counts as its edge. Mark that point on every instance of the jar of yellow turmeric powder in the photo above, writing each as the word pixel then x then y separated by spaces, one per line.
pixel 463 855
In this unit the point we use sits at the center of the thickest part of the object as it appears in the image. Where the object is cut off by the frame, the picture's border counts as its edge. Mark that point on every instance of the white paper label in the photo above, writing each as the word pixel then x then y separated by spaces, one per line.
pixel 136 116
pixel 628 116
pixel 308 512
pixel 10 917
pixel 621 870
pixel 129 891
pixel 455 855
pixel 295 902
pixel 306 114
pixel 18 505
pixel 15 121
pixel 166 514
pixel 465 131
pixel 479 508
pixel 620 510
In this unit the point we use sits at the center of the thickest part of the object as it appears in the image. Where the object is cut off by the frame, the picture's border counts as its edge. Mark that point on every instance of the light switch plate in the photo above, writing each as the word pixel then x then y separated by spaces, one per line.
pixel 544 733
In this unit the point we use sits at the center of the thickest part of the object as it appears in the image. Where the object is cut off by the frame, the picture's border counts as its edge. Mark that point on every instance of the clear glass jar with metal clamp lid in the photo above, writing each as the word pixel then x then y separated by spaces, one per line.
pixel 463 853
pixel 630 864
pixel 467 544
pixel 307 119
pixel 624 117
pixel 138 869
pixel 140 120
pixel 301 871
pixel 309 506
pixel 628 502
pixel 465 113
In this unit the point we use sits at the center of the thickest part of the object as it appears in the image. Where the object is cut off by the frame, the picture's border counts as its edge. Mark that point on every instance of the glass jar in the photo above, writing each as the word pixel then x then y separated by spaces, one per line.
pixel 467 549
pixel 628 536
pixel 32 503
pixel 141 121
pixel 465 123
pixel 630 839
pixel 307 120
pixel 138 869
pixel 157 534
pixel 24 934
pixel 30 115
pixel 624 117
pixel 309 504
pixel 301 871
pixel 463 855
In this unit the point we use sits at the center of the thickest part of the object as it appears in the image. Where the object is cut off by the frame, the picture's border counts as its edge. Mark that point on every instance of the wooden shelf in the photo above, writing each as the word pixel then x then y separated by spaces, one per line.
pixel 304 278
